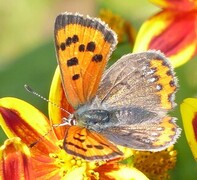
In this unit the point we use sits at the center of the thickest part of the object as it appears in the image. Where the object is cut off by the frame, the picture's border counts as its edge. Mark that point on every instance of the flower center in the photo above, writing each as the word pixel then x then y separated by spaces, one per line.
pixel 68 165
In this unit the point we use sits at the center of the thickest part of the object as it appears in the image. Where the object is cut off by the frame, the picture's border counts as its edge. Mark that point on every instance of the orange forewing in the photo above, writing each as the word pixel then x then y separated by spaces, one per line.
pixel 82 50
pixel 89 145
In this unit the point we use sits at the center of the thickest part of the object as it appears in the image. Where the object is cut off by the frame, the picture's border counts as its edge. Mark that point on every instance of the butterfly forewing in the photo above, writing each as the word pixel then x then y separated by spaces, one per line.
pixel 88 145
pixel 83 46
pixel 143 80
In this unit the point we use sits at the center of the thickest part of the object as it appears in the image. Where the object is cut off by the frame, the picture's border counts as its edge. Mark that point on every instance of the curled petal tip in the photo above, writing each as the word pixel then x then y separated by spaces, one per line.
pixel 15 160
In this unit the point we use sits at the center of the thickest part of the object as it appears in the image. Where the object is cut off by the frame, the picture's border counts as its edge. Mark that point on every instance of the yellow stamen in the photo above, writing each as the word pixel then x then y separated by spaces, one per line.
pixel 155 165
pixel 67 163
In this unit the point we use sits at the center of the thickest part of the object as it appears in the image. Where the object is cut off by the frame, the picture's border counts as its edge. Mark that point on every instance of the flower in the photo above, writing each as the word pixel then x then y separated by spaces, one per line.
pixel 34 150
pixel 172 30
pixel 189 117
pixel 155 165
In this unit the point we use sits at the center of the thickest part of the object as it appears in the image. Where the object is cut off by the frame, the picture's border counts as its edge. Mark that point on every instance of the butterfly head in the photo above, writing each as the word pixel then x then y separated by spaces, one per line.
pixel 71 121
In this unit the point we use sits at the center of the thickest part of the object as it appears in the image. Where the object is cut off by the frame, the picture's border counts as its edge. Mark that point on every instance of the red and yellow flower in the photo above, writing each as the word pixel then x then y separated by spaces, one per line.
pixel 172 30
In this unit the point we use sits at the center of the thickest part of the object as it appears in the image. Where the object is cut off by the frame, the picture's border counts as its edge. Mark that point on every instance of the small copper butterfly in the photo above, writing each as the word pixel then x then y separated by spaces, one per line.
pixel 126 104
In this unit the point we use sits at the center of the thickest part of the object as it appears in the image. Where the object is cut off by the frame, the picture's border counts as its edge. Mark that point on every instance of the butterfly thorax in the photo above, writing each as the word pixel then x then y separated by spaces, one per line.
pixel 93 119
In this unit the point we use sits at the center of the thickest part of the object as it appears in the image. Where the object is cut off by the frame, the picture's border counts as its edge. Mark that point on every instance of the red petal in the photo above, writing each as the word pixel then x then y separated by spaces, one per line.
pixel 19 118
pixel 176 36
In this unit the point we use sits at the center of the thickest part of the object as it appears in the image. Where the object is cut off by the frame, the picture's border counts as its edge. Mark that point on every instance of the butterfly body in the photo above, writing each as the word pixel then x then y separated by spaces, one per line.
pixel 127 104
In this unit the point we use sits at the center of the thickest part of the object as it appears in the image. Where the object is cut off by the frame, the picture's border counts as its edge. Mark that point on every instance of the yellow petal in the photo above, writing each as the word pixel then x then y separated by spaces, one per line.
pixel 160 32
pixel 76 173
pixel 127 174
pixel 115 171
pixel 15 160
pixel 184 5
pixel 19 118
pixel 57 96
pixel 189 117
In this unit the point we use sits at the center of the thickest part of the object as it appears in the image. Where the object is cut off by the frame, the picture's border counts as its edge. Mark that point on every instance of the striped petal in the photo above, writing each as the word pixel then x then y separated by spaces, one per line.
pixel 59 101
pixel 183 5
pixel 189 117
pixel 171 32
pixel 19 118
pixel 15 160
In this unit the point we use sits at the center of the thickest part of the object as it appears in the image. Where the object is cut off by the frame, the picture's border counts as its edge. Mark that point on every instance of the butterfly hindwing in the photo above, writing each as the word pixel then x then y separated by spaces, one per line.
pixel 147 136
pixel 83 46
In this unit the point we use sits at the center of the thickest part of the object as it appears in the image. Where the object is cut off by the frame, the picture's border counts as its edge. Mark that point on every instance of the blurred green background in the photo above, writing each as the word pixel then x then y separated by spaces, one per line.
pixel 27 55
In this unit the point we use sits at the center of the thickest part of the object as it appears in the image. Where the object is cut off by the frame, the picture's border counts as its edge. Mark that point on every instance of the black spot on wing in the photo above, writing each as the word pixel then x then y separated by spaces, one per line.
pixel 91 46
pixel 97 58
pixel 81 47
pixel 72 62
pixel 75 77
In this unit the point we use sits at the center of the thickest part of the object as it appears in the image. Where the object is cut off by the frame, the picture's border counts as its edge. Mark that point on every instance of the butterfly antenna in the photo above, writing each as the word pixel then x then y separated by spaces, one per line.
pixel 40 138
pixel 30 90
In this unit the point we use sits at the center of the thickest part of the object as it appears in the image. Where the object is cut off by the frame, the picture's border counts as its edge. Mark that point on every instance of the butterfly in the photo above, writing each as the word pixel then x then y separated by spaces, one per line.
pixel 126 104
